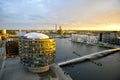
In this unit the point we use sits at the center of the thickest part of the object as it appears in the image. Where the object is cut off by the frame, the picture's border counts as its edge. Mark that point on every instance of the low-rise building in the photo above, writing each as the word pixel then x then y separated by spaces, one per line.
pixel 89 39
pixel 109 37
pixel 12 46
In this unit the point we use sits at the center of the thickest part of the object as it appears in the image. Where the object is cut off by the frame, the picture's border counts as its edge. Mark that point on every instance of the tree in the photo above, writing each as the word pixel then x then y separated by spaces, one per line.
pixel 12 32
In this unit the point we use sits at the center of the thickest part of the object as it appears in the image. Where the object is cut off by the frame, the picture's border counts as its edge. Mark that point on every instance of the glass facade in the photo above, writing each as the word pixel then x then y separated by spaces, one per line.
pixel 36 53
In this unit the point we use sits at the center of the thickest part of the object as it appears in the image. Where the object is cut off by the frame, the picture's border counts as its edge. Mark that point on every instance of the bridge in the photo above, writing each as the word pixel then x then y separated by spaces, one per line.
pixel 89 57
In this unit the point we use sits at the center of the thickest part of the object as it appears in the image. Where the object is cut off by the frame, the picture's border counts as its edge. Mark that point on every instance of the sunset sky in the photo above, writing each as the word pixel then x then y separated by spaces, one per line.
pixel 70 14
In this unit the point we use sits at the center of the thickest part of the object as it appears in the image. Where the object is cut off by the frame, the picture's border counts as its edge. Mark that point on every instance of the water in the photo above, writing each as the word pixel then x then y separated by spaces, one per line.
pixel 65 49
pixel 89 70
pixel 20 33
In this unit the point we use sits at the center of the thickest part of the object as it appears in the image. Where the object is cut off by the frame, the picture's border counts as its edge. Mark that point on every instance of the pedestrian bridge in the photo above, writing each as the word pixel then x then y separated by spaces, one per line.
pixel 90 56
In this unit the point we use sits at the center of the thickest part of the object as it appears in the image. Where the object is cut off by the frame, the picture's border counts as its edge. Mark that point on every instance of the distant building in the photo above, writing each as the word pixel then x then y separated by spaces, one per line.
pixel 118 41
pixel 108 37
pixel 12 46
pixel 60 31
pixel 56 28
pixel 0 38
pixel 0 41
pixel 37 51
pixel 4 32
pixel 86 38
pixel 20 33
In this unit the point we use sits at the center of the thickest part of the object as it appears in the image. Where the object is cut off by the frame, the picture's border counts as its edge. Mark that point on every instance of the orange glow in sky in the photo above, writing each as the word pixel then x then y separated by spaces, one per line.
pixel 70 14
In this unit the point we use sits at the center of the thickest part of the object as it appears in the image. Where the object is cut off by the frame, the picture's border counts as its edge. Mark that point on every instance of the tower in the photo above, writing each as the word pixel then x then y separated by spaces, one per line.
pixel 60 28
pixel 55 27
pixel 60 31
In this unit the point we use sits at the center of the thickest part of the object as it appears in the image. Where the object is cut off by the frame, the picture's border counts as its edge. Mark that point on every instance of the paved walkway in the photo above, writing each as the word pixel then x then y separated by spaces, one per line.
pixel 2 59
pixel 15 71
pixel 60 73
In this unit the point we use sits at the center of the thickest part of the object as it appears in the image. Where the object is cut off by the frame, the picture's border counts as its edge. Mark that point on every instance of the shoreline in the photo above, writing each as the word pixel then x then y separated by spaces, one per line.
pixel 100 44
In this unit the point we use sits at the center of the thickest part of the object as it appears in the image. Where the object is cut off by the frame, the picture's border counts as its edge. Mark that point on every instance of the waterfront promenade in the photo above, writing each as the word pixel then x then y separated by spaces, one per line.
pixel 13 70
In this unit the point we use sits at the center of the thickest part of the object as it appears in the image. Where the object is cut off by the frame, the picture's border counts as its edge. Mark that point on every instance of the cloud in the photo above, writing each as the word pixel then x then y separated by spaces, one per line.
pixel 72 12
pixel 85 11
pixel 24 10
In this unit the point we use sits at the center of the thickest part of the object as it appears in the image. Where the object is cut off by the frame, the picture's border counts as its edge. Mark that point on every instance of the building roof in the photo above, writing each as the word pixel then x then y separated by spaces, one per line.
pixel 34 35
pixel 118 37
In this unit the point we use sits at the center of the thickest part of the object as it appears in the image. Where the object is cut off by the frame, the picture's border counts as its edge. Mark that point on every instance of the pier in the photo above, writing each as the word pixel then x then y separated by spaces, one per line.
pixel 90 56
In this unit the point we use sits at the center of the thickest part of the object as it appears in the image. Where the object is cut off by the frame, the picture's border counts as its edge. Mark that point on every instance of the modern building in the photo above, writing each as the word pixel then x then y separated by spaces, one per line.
pixel 37 51
pixel 12 46
pixel 108 37
pixel 118 41
pixel 89 39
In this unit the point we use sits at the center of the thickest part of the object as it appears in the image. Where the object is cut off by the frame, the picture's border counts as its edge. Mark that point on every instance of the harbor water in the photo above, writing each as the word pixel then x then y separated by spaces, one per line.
pixel 106 68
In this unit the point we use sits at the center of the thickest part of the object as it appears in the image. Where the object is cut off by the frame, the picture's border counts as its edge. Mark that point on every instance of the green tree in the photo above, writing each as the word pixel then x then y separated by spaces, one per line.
pixel 12 32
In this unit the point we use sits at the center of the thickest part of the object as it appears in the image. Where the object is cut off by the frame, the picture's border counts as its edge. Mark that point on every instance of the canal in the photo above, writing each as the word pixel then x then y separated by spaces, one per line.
pixel 106 68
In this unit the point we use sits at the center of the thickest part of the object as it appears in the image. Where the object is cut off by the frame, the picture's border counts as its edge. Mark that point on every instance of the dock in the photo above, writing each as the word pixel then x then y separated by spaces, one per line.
pixel 90 56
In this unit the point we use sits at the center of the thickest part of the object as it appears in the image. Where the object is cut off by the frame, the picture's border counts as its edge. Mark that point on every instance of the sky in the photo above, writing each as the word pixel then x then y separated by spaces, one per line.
pixel 70 14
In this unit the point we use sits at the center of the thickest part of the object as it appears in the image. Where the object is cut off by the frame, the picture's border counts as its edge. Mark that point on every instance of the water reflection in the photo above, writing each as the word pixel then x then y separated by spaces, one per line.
pixel 65 49
pixel 106 68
